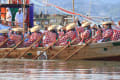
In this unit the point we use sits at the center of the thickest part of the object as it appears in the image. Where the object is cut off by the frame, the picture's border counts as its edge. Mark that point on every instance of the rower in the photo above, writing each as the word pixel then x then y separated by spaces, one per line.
pixel 51 36
pixel 108 32
pixel 97 33
pixel 16 36
pixel 60 31
pixel 34 36
pixel 69 36
pixel 3 37
pixel 79 30
pixel 87 34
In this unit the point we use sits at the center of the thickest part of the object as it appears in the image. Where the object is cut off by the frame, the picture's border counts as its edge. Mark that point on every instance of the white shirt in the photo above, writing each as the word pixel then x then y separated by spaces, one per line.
pixel 19 17
pixel 8 18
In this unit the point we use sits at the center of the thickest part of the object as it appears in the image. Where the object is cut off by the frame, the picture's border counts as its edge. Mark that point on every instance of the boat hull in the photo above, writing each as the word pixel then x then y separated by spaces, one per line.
pixel 99 51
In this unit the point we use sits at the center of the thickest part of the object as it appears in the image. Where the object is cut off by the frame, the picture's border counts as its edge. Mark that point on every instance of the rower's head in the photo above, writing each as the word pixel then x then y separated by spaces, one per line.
pixel 46 27
pixel 59 28
pixel 70 27
pixel 18 31
pixel 35 29
pixel 86 25
pixel 52 28
pixel 84 21
pixel 107 24
pixel 4 32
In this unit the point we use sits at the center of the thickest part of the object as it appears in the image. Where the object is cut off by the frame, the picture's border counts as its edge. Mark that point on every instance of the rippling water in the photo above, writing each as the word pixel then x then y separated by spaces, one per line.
pixel 11 69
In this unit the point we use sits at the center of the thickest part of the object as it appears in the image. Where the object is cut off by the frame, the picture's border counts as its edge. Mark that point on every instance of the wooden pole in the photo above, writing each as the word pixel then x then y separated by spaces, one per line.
pixel 14 48
pixel 48 47
pixel 24 16
pixel 76 51
pixel 89 14
pixel 61 50
pixel 73 10
pixel 30 46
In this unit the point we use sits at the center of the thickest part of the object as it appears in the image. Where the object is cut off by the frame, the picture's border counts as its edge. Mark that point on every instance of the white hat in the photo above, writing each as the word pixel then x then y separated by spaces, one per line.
pixel 59 27
pixel 8 8
pixel 20 9
pixel 106 22
pixel 70 26
pixel 84 21
pixel 4 31
pixel 86 24
pixel 52 27
pixel 35 28
pixel 18 29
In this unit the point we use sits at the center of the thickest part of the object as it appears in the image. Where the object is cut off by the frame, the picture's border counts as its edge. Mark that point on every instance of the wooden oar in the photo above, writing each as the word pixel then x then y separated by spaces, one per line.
pixel 4 42
pixel 63 49
pixel 48 47
pixel 30 47
pixel 74 53
pixel 14 48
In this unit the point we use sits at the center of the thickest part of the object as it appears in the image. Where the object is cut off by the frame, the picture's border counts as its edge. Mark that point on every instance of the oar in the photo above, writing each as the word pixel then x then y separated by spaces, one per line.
pixel 14 47
pixel 48 47
pixel 74 53
pixel 63 49
pixel 30 46
pixel 4 42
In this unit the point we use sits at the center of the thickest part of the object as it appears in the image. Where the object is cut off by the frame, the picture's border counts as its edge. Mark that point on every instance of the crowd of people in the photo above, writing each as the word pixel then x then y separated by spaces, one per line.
pixel 76 33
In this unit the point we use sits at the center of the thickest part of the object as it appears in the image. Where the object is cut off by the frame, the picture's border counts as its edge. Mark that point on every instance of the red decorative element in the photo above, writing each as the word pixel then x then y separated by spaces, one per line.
pixel 69 12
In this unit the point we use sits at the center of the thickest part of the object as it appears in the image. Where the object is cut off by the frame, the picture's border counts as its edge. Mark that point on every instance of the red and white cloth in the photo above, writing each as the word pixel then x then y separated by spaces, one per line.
pixel 98 36
pixel 86 36
pixel 108 33
pixel 60 34
pixel 70 35
pixel 50 38
pixel 35 36
pixel 2 39
pixel 16 38
pixel 79 30
pixel 116 35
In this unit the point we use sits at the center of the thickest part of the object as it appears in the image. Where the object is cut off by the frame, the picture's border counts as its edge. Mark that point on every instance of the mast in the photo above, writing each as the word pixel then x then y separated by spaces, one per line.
pixel 46 7
pixel 90 6
pixel 73 10
pixel 24 16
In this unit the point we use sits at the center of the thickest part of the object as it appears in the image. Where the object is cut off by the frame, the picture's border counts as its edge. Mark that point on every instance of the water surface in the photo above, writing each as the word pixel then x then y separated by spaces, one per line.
pixel 12 69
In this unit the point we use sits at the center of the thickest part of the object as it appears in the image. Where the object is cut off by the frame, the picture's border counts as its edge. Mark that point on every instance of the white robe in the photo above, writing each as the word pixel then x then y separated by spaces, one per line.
pixel 19 19
pixel 8 18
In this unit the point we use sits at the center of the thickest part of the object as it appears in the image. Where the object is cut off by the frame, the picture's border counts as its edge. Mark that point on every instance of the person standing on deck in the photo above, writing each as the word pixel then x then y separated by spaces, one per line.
pixel 19 18
pixel 69 36
pixel 34 36
pixel 8 16
pixel 108 33
pixel 3 37
pixel 51 36
pixel 87 34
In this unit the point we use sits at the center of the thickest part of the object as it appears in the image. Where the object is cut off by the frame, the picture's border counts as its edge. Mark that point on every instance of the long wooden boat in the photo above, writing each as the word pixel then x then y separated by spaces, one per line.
pixel 98 51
